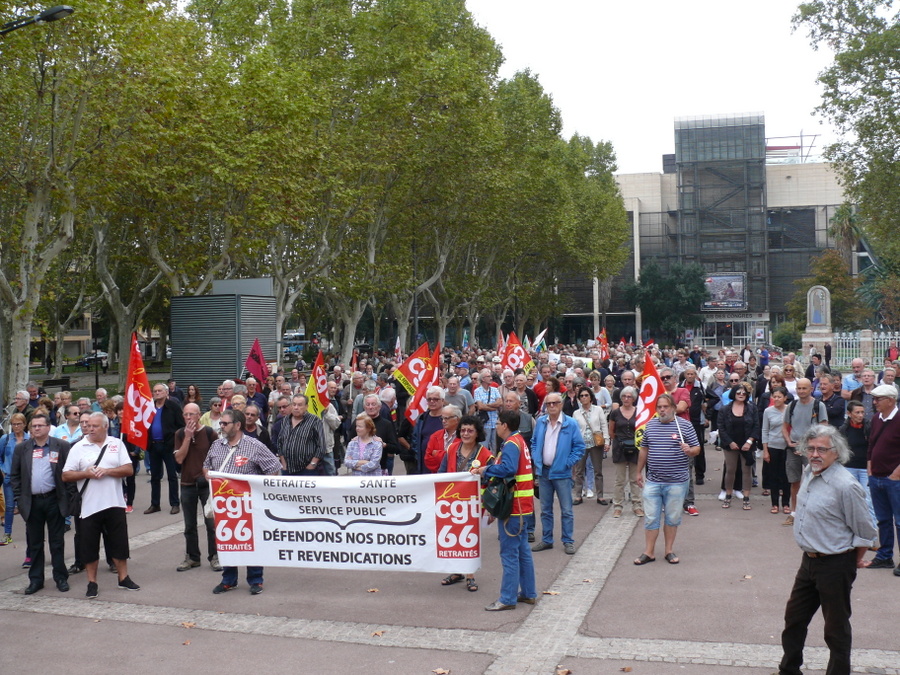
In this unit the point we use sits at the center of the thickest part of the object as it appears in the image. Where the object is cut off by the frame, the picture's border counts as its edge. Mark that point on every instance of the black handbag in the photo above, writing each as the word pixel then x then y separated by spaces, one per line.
pixel 498 497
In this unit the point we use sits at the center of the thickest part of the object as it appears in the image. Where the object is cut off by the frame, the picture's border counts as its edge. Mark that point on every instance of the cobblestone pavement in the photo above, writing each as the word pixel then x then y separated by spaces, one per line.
pixel 535 640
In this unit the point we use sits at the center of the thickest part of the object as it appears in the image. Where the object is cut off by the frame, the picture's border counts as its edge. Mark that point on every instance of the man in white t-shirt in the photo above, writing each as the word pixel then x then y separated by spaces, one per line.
pixel 102 499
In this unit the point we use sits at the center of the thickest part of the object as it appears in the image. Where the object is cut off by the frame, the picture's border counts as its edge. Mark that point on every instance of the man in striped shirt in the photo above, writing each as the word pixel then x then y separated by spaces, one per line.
pixel 301 441
pixel 667 447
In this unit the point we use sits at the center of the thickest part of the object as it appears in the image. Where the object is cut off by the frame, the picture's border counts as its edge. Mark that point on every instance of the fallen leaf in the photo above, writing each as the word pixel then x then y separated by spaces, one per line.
pixel 551 592
pixel 748 576
pixel 625 669
pixel 378 633
pixel 588 581
pixel 188 624
pixel 96 620
pixel 441 671
pixel 372 590
pixel 186 642
pixel 563 671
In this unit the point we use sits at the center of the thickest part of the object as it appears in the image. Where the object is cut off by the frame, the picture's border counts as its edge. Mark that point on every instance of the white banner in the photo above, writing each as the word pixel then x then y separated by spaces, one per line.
pixel 428 523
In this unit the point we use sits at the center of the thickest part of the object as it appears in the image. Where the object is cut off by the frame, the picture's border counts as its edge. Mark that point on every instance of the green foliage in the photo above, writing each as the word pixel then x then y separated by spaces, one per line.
pixel 831 271
pixel 861 98
pixel 787 336
pixel 669 301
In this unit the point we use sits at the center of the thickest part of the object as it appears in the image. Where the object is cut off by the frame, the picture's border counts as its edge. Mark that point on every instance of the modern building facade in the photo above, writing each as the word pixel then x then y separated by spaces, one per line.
pixel 752 213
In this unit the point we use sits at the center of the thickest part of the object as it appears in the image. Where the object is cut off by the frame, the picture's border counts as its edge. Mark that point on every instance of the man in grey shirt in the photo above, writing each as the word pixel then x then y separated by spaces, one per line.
pixel 461 398
pixel 833 528
pixel 800 416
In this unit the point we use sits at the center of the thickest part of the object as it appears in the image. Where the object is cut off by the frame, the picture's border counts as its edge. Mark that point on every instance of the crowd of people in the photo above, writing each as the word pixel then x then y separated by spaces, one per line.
pixel 563 420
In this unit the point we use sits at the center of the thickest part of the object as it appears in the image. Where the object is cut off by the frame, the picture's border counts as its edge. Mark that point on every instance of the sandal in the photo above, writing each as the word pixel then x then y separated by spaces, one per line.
pixel 672 559
pixel 774 509
pixel 471 585
pixel 787 510
pixel 644 559
pixel 452 579
pixel 766 493
pixel 746 505
pixel 727 503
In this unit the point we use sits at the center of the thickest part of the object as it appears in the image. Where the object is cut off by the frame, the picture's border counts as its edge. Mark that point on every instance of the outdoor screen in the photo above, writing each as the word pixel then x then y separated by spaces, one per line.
pixel 725 292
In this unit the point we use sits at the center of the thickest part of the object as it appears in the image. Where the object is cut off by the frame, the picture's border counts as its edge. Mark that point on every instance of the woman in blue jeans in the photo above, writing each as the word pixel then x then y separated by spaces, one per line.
pixel 17 434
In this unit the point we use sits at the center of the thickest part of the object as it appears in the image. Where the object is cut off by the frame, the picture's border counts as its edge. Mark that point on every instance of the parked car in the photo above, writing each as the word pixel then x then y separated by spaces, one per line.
pixel 87 360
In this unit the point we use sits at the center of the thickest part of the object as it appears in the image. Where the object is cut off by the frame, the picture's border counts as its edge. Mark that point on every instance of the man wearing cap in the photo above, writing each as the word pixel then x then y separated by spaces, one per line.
pixel 884 474
pixel 462 372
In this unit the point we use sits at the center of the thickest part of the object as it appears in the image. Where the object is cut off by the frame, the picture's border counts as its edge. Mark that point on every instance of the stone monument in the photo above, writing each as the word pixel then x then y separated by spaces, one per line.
pixel 818 320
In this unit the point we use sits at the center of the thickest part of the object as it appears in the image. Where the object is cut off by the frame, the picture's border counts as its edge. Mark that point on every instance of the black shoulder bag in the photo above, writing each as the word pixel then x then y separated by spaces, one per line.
pixel 75 498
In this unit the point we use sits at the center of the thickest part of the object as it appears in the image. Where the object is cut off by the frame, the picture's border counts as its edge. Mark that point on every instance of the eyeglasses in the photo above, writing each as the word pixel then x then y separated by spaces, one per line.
pixel 667 377
pixel 466 430
pixel 432 400
pixel 447 419
pixel 813 450
pixel 225 424
pixel 554 402
pixel 584 396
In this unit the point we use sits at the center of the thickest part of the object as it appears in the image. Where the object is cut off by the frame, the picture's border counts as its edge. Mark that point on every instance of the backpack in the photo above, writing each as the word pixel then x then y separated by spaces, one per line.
pixel 815 411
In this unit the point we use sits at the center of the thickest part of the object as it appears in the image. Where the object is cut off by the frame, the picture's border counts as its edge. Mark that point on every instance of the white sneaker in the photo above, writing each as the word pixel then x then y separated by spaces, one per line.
pixel 722 496
pixel 589 494
pixel 738 494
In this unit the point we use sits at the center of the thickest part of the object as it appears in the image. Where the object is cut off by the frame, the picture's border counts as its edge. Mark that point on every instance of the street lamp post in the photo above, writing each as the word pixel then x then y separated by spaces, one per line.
pixel 47 16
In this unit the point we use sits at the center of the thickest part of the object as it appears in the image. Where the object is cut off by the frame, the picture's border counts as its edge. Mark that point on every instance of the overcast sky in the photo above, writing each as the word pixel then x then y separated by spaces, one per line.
pixel 623 72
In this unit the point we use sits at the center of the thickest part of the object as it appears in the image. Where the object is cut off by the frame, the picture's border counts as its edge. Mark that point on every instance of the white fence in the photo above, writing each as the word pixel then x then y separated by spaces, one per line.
pixel 869 345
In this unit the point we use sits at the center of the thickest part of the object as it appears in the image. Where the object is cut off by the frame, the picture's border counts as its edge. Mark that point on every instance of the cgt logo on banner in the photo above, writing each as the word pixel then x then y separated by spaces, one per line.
pixel 457 519
pixel 234 517
pixel 429 523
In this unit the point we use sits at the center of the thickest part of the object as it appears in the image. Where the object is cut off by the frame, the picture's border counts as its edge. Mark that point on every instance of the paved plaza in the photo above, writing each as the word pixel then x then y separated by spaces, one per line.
pixel 718 612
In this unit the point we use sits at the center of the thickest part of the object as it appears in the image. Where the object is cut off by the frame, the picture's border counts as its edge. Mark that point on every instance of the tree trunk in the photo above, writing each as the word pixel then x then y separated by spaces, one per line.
pixel 349 316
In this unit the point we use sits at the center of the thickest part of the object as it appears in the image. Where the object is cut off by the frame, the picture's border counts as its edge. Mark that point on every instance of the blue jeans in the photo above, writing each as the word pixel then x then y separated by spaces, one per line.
pixel 230 574
pixel 10 505
pixel 862 476
pixel 515 556
pixel 562 487
pixel 663 496
pixel 886 500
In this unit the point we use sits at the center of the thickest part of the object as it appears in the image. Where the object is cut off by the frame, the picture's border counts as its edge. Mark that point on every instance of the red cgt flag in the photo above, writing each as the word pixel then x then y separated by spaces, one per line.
pixel 256 363
pixel 651 388
pixel 429 378
pixel 410 372
pixel 515 356
pixel 317 387
pixel 139 409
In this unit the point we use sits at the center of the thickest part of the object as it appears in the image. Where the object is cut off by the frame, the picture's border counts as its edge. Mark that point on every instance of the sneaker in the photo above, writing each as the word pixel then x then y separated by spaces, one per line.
pixel 617 512
pixel 75 568
pixel 129 509
pixel 788 522
pixel 187 564
pixel 26 564
pixel 541 546
pixel 128 585
pixel 569 549
pixel 691 510
pixel 589 494
pixel 738 494
pixel 214 563
pixel 881 563
pixel 6 541
pixel 722 496
pixel 639 512
pixel 112 568
pixel 531 537
pixel 256 589
pixel 92 590
pixel 699 481
pixel 222 588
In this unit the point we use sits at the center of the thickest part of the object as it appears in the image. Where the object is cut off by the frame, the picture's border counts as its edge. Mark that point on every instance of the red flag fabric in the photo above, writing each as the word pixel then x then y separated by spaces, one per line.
pixel 398 354
pixel 501 343
pixel 317 387
pixel 354 360
pixel 256 363
pixel 409 373
pixel 604 346
pixel 651 388
pixel 515 356
pixel 139 409
pixel 429 378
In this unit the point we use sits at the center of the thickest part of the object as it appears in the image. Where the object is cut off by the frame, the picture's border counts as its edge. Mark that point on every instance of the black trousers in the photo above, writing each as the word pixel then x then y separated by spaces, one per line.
pixel 191 496
pixel 161 456
pixel 45 514
pixel 826 583
pixel 700 460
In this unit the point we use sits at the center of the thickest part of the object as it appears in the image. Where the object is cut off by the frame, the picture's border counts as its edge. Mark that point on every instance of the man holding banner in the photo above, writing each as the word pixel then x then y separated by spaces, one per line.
pixel 239 454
